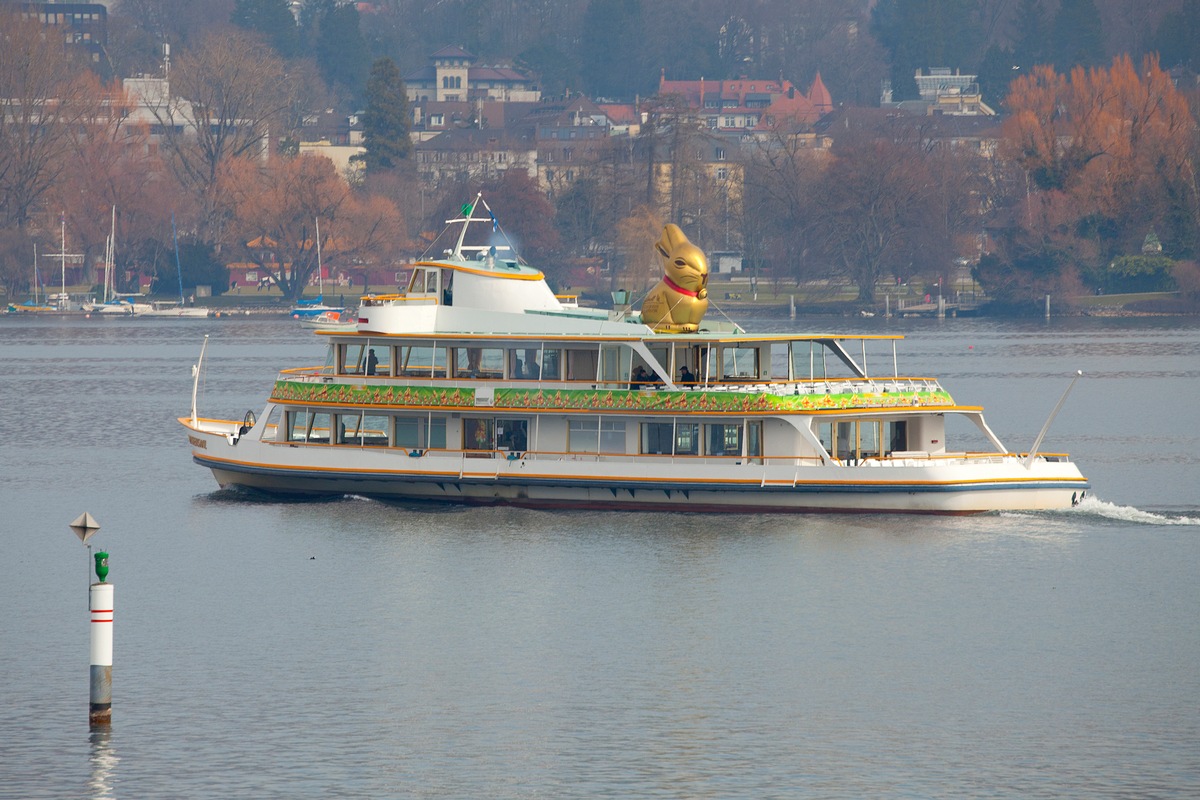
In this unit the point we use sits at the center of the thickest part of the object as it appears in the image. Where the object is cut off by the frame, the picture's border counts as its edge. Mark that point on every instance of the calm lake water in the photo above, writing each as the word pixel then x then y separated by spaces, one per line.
pixel 358 649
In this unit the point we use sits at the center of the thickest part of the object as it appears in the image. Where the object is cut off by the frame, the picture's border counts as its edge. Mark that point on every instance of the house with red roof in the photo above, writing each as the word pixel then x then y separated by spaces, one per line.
pixel 747 104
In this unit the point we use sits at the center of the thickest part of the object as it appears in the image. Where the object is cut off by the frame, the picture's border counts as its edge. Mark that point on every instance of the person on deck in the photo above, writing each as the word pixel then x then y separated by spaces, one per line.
pixel 686 376
pixel 372 361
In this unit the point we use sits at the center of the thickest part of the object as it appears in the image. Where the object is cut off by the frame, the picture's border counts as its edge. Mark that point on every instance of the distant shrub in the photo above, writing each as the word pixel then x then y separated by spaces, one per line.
pixel 1145 273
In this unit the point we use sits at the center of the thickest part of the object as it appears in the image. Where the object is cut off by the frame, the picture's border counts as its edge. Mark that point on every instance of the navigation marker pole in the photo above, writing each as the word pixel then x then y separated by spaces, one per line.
pixel 101 594
pixel 100 604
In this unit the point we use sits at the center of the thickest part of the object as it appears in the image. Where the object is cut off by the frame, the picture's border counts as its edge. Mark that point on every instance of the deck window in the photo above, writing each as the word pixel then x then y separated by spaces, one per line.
pixel 724 440
pixel 479 362
pixel 365 430
pixel 739 363
pixel 852 440
pixel 808 361
pixel 754 441
pixel 551 367
pixel 311 427
pixel 615 361
pixel 595 435
pixel 420 433
pixel 479 434
pixel 421 362
pixel 498 433
pixel 355 359
pixel 666 438
pixel 581 365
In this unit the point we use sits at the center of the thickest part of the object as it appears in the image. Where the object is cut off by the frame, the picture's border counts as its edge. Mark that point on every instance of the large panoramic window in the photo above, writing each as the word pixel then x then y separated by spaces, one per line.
pixel 724 439
pixel 421 362
pixel 366 430
pixel 665 438
pixel 308 426
pixel 739 363
pixel 853 440
pixel 596 435
pixel 421 433
pixel 479 362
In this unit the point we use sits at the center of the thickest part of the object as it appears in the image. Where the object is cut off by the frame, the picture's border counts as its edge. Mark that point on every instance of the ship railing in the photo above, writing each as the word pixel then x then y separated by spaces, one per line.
pixel 400 298
pixel 325 374
pixel 822 386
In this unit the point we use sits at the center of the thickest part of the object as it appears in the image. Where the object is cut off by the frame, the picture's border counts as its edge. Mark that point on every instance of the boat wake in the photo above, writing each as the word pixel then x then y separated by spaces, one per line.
pixel 1101 508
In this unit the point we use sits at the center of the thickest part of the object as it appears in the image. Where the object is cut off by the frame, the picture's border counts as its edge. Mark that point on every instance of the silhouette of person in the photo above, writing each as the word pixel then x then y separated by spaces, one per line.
pixel 686 376
pixel 372 361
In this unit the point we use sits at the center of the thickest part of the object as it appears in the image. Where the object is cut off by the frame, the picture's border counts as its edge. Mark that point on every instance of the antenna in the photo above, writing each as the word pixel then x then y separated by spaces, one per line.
pixel 167 59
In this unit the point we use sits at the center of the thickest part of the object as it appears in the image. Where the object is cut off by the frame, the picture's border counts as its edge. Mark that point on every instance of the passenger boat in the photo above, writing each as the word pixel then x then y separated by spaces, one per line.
pixel 174 309
pixel 478 385
pixel 332 321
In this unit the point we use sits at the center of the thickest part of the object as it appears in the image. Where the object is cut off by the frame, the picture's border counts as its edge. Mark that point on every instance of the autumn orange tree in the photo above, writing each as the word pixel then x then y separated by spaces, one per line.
pixel 1117 144
pixel 276 213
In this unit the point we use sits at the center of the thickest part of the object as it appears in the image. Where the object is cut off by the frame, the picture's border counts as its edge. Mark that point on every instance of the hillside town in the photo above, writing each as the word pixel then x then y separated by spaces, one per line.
pixel 1068 173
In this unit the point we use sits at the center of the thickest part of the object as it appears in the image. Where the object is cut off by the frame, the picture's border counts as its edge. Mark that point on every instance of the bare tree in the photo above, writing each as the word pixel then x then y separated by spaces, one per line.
pixel 42 100
pixel 225 101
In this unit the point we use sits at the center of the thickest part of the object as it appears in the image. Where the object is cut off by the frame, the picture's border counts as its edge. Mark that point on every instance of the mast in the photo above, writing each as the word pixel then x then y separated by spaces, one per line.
pixel 178 268
pixel 470 212
pixel 63 222
pixel 320 279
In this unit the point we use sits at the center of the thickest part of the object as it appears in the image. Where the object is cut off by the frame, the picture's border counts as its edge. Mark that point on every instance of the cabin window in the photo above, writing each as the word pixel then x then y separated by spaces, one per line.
pixel 897 435
pixel 479 362
pixel 311 427
pixel 366 430
pixel 615 363
pixel 421 362
pixel 479 434
pixel 297 426
pixel 739 363
pixel 512 435
pixel 778 360
pixel 551 367
pixel 665 438
pixel 523 365
pixel 852 440
pixel 498 433
pixel 724 440
pixel 581 365
pixel 595 435
pixel 754 441
pixel 808 362
pixel 356 359
pixel 420 433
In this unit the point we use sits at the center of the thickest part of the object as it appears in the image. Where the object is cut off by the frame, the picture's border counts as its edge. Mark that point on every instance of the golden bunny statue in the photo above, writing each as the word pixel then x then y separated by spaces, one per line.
pixel 678 302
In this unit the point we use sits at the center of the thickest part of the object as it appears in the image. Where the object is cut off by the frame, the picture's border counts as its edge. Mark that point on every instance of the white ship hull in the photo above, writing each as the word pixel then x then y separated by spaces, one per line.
pixel 948 485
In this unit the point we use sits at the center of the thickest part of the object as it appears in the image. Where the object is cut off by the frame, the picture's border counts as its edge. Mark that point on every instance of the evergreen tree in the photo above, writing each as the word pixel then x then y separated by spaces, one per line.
pixel 614 51
pixel 1032 46
pixel 385 120
pixel 1178 38
pixel 341 50
pixel 272 19
pixel 921 34
pixel 996 71
pixel 1078 35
